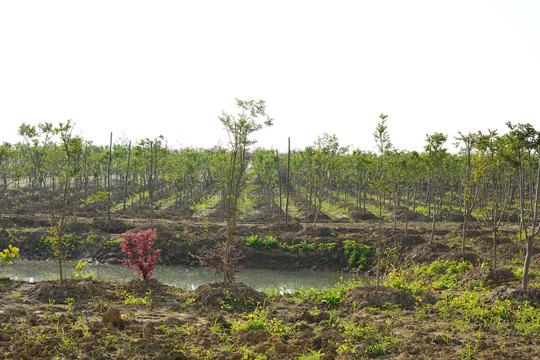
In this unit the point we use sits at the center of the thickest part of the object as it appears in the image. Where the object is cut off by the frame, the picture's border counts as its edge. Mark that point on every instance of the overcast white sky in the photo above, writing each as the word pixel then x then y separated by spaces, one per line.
pixel 145 68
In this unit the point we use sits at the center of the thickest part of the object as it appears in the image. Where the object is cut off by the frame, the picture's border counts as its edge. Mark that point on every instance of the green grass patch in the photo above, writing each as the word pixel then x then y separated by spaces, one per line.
pixel 207 204
pixel 334 210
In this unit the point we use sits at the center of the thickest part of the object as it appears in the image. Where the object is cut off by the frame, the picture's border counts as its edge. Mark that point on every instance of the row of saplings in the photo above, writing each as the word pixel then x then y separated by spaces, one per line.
pixel 141 255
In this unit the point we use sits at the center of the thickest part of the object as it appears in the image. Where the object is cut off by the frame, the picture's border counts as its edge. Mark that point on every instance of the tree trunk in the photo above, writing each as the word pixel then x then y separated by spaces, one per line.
pixel 109 181
pixel 287 185
pixel 127 175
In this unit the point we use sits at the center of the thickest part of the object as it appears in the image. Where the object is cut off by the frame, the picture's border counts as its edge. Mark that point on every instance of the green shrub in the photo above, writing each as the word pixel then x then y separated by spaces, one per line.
pixel 8 255
pixel 257 242
pixel 358 254
pixel 254 241
pixel 444 274
pixel 270 242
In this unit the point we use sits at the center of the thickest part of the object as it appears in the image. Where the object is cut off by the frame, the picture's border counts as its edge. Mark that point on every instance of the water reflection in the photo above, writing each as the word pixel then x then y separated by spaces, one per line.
pixel 179 276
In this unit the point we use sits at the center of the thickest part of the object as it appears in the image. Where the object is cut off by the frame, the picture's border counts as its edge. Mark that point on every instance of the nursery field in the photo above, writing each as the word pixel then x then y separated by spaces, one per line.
pixel 433 299
pixel 446 243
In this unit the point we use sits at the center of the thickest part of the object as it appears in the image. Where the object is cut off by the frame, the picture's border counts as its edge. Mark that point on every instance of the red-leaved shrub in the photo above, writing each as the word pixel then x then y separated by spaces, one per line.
pixel 138 248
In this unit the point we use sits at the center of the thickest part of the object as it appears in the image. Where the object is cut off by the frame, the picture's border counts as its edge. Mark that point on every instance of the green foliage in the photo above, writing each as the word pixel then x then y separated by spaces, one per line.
pixel 95 197
pixel 330 296
pixel 405 279
pixel 444 274
pixel 79 269
pixel 312 355
pixel 418 280
pixel 358 254
pixel 261 319
pixel 380 339
pixel 8 255
pixel 132 300
pixel 257 242
pixel 518 271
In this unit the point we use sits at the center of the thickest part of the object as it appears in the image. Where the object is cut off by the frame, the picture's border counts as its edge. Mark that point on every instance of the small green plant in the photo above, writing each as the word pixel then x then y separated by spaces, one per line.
pixel 79 269
pixel 257 242
pixel 70 303
pixel 358 254
pixel 132 300
pixel 8 255
pixel 305 246
pixel 312 355
pixel 187 303
pixel 270 242
pixel 90 240
pixel 254 241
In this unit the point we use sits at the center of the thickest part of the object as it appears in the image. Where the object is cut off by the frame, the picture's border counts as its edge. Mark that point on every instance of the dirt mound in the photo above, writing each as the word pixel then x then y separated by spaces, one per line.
pixel 510 293
pixel 236 296
pixel 7 284
pixel 428 252
pixel 458 256
pixel 501 276
pixel 473 230
pixel 513 218
pixel 495 277
pixel 488 240
pixel 359 215
pixel 456 216
pixel 6 223
pixel 28 221
pixel 510 248
pixel 310 216
pixel 71 289
pixel 150 286
pixel 406 242
pixel 162 231
pixel 413 216
pixel 172 213
pixel 114 226
pixel 292 226
pixel 373 296
pixel 321 231
pixel 77 228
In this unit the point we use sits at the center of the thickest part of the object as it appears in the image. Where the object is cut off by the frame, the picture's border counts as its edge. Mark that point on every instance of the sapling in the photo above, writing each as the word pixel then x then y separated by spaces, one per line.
pixel 212 258
pixel 140 252
pixel 239 128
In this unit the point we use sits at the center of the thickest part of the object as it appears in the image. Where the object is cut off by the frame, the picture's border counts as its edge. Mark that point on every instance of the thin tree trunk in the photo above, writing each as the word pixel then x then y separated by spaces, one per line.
pixel 127 175
pixel 279 184
pixel 287 182
pixel 109 181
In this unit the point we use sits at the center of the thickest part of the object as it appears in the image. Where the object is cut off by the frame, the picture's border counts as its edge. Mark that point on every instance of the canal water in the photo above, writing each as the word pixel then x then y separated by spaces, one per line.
pixel 183 277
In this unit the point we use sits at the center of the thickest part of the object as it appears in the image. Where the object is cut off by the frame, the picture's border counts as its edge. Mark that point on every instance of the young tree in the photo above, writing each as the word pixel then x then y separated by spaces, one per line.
pixel 239 128
pixel 435 150
pixel 525 139
pixel 382 141
pixel 6 158
pixel 493 151
pixel 265 164
pixel 469 190
pixel 37 141
pixel 325 166
pixel 71 148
